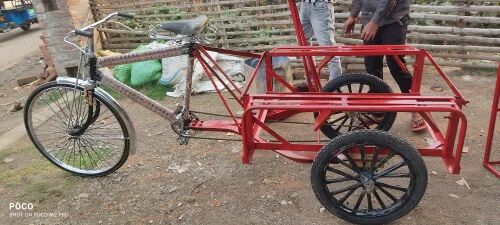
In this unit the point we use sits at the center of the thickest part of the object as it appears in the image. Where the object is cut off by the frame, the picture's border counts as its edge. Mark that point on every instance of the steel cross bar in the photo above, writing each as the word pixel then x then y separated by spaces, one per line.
pixel 495 109
pixel 368 50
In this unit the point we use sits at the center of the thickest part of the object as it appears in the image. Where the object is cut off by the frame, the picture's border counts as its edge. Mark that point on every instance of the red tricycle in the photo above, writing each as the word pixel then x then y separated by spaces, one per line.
pixel 361 173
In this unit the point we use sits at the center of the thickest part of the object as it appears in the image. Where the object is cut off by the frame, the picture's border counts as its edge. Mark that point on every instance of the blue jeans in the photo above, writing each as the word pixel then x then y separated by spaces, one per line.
pixel 317 20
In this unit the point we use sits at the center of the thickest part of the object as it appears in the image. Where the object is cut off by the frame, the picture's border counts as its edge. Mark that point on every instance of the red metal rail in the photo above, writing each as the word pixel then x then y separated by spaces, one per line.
pixel 492 166
pixel 281 105
pixel 328 103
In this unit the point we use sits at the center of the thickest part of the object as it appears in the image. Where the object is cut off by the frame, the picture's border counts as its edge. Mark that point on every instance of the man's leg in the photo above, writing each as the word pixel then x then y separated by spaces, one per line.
pixel 304 13
pixel 395 34
pixel 374 64
pixel 321 18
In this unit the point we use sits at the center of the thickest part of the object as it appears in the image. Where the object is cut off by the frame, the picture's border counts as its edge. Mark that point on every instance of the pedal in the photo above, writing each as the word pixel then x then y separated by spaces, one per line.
pixel 183 140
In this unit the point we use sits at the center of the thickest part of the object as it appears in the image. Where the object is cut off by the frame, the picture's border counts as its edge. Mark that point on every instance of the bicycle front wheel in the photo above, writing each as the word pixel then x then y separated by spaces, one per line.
pixel 55 111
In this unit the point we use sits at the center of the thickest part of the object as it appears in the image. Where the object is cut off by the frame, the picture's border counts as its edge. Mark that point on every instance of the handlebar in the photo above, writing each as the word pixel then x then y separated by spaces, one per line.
pixel 88 31
pixel 83 33
pixel 85 30
pixel 126 15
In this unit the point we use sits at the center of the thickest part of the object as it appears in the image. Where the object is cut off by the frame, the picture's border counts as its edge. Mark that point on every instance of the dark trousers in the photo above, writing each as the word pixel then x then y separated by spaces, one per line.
pixel 390 34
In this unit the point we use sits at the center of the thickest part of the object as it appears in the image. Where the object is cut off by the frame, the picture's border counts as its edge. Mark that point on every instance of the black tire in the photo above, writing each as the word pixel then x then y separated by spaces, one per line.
pixel 364 83
pixel 26 26
pixel 337 194
pixel 98 158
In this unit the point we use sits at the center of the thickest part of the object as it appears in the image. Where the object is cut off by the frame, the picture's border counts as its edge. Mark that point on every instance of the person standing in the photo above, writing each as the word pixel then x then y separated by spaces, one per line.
pixel 385 22
pixel 317 20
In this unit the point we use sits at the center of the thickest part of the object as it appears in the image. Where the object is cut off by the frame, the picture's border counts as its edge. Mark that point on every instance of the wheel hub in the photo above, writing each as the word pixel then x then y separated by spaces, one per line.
pixel 368 182
pixel 75 131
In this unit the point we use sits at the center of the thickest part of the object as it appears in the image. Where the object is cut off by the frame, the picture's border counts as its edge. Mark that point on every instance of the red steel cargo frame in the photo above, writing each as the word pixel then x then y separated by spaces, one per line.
pixel 281 105
pixel 272 106
pixel 495 109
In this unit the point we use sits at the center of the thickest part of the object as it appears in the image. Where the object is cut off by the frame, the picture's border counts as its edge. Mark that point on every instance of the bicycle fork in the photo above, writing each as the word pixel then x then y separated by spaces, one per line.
pixel 93 109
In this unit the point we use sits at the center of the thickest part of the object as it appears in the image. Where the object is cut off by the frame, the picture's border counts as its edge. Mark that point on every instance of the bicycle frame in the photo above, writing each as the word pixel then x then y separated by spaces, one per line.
pixel 195 51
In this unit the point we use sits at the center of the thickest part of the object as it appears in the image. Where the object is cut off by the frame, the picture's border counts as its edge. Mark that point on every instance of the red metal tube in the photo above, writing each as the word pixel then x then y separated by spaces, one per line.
pixel 495 109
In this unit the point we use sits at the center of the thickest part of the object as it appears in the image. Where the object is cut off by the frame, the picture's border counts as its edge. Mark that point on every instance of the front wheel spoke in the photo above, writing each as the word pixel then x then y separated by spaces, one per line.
pixel 358 203
pixel 369 200
pixel 337 120
pixel 59 139
pixel 402 189
pixel 346 164
pixel 109 137
pixel 331 169
pixel 360 90
pixel 59 148
pixel 379 200
pixel 80 155
pixel 355 186
pixel 338 180
pixel 371 119
pixel 386 158
pixel 363 122
pixel 391 169
pixel 91 160
pixel 351 162
pixel 55 113
pixel 397 175
pixel 351 123
pixel 363 157
pixel 388 194
pixel 374 159
pixel 99 158
pixel 342 124
pixel 347 195
pixel 99 142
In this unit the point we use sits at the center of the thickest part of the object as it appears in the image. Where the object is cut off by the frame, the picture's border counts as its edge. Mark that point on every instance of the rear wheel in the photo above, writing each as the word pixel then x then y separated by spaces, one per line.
pixel 369 177
pixel 54 116
pixel 26 26
pixel 343 122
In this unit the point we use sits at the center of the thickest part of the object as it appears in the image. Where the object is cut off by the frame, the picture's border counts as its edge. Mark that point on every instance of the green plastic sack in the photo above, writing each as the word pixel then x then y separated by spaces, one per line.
pixel 123 72
pixel 146 72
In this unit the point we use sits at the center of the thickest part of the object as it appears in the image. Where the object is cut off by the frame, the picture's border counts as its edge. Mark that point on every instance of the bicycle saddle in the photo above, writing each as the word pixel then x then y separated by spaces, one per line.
pixel 186 27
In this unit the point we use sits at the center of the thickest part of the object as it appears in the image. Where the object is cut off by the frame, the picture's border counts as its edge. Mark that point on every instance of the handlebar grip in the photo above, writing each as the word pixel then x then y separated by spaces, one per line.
pixel 126 15
pixel 84 33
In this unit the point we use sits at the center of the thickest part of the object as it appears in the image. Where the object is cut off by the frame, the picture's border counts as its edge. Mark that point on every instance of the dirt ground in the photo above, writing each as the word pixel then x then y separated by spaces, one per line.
pixel 17 44
pixel 214 186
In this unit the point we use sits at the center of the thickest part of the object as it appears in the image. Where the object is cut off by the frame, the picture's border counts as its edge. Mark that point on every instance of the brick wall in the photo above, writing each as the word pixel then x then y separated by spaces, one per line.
pixel 56 21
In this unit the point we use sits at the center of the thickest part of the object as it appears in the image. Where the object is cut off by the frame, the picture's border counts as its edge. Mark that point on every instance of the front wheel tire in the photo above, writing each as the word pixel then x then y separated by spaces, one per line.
pixel 26 26
pixel 369 177
pixel 55 111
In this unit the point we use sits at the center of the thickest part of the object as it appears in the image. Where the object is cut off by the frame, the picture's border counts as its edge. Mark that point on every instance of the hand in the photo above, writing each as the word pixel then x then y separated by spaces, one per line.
pixel 349 25
pixel 369 31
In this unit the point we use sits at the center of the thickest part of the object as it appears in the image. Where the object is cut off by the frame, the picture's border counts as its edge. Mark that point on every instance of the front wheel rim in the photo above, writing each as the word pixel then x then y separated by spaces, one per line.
pixel 367 191
pixel 88 154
